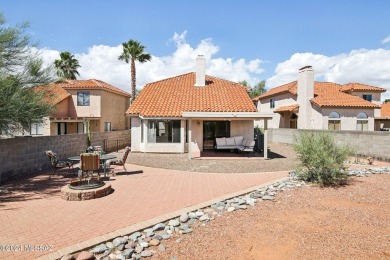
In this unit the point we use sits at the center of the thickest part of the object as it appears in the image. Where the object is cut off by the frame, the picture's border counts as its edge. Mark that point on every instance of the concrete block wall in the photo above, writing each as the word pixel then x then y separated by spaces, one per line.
pixel 25 155
pixel 368 143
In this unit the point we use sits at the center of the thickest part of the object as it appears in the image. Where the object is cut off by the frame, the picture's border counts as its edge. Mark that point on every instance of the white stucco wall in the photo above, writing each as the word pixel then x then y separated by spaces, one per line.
pixel 348 117
pixel 243 128
pixel 135 134
pixel 286 99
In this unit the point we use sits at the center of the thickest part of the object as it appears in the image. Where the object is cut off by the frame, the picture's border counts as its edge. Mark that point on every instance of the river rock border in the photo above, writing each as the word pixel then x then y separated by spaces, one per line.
pixel 78 195
pixel 145 243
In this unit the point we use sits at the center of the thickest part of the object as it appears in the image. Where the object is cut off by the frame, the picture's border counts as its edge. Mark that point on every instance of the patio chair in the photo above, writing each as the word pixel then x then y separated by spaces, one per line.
pixel 121 161
pixel 248 147
pixel 89 162
pixel 58 164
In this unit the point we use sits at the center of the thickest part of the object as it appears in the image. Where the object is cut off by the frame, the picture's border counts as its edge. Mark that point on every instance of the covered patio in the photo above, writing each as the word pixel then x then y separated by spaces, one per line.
pixel 239 124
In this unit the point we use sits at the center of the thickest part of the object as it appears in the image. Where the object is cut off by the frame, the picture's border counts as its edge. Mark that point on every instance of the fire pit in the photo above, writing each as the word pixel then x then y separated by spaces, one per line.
pixel 85 190
pixel 86 184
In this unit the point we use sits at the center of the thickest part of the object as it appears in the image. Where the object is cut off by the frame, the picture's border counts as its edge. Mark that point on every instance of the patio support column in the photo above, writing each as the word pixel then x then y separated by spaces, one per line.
pixel 189 139
pixel 265 139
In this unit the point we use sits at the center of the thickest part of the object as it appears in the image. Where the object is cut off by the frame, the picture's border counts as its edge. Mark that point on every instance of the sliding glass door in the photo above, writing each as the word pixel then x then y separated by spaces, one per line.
pixel 212 130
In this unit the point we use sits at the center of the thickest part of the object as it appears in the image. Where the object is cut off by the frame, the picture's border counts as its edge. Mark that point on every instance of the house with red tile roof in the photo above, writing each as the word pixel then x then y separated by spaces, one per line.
pixel 187 112
pixel 77 102
pixel 308 104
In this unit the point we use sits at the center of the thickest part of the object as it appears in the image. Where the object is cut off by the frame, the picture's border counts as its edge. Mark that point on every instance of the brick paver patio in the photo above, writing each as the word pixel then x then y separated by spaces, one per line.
pixel 33 213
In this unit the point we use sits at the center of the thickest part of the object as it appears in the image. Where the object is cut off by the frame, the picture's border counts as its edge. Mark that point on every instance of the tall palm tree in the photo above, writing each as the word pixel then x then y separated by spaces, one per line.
pixel 67 66
pixel 134 51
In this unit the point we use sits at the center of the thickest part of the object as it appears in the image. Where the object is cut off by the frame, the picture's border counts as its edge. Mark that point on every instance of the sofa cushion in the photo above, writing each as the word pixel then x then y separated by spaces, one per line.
pixel 230 141
pixel 220 141
pixel 238 140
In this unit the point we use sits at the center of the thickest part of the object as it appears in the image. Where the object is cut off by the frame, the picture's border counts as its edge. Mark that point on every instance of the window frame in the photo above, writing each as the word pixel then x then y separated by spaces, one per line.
pixel 272 103
pixel 334 119
pixel 107 129
pixel 83 102
pixel 164 131
pixel 365 97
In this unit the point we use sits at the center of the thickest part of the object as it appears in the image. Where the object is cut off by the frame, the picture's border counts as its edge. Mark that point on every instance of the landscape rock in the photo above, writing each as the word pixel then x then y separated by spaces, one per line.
pixel 174 222
pixel 110 245
pixel 230 209
pixel 118 241
pixel 187 231
pixel 128 252
pixel 184 217
pixel 99 249
pixel 267 197
pixel 204 218
pixel 85 256
pixel 121 247
pixel 138 249
pixel 146 253
pixel 154 242
pixel 159 226
pixel 133 237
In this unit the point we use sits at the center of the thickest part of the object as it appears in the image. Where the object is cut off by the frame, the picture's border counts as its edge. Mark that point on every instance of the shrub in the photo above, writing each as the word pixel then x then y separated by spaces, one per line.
pixel 321 160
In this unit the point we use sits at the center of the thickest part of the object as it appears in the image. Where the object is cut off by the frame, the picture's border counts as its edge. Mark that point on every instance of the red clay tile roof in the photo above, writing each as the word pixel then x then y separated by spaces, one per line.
pixel 287 108
pixel 360 87
pixel 385 110
pixel 328 94
pixel 340 99
pixel 91 84
pixel 53 93
pixel 170 97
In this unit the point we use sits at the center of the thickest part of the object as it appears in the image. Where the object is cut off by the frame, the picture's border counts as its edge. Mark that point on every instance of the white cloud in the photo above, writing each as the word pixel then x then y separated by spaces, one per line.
pixel 101 62
pixel 364 66
pixel 386 40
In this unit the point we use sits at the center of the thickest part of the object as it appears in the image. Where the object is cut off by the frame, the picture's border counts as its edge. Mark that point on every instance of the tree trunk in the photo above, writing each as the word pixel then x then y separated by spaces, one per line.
pixel 133 75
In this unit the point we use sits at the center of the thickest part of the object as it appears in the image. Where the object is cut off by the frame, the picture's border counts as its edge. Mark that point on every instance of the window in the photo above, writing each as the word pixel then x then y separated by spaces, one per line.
pixel 362 122
pixel 272 103
pixel 334 121
pixel 61 129
pixel 83 98
pixel 164 131
pixel 107 126
pixel 367 97
pixel 80 127
pixel 36 129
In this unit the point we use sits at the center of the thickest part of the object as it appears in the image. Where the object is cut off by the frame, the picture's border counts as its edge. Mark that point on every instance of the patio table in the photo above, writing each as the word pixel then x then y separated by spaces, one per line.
pixel 103 160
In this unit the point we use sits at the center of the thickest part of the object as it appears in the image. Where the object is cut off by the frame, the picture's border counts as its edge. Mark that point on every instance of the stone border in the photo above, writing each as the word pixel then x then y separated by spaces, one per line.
pixel 78 195
pixel 149 223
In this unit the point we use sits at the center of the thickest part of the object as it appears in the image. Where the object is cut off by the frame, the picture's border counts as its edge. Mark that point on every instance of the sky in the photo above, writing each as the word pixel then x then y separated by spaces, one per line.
pixel 345 41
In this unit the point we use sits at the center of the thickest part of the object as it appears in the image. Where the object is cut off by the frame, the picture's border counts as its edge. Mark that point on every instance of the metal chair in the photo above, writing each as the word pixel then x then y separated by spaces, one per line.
pixel 89 162
pixel 121 161
pixel 249 147
pixel 58 164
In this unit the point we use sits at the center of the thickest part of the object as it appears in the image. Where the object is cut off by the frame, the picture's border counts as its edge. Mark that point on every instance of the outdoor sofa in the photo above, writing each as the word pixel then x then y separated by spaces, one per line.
pixel 228 143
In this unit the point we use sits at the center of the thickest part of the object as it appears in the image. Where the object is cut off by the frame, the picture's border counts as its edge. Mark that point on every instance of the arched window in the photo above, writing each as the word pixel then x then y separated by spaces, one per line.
pixel 362 122
pixel 362 115
pixel 334 121
pixel 334 115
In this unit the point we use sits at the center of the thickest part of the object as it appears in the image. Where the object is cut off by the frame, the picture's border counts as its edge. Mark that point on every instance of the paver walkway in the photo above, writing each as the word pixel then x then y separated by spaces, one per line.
pixel 34 214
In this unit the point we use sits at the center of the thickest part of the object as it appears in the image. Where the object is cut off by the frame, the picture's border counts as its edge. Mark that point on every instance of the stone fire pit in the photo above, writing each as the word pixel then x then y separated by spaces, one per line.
pixel 84 190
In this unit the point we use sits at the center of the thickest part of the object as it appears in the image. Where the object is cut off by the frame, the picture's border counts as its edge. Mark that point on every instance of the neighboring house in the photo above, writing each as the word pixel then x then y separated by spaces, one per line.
pixel 306 104
pixel 193 106
pixel 77 102
pixel 383 121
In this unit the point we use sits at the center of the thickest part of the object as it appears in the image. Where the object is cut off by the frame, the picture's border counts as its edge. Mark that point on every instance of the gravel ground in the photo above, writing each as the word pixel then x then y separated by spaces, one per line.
pixel 350 222
pixel 282 158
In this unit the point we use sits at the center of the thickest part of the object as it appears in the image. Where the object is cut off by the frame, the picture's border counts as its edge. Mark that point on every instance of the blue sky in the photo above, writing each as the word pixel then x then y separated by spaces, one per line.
pixel 244 40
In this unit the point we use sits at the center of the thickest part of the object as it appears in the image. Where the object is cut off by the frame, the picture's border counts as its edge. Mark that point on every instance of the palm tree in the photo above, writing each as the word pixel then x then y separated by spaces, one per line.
pixel 67 66
pixel 134 51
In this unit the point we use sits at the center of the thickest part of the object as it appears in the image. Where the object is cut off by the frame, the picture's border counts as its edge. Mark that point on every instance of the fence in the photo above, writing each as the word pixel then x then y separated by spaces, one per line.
pixel 367 143
pixel 25 155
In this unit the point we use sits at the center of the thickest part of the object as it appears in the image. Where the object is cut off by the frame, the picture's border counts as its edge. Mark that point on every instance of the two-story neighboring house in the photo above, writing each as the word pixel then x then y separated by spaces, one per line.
pixel 306 104
pixel 77 102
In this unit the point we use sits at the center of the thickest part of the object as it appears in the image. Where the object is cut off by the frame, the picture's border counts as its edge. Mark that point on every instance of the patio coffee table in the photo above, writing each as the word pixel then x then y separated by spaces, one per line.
pixel 103 160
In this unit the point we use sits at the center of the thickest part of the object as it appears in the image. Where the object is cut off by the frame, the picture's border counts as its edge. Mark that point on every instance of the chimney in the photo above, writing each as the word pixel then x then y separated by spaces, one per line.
pixel 200 77
pixel 305 91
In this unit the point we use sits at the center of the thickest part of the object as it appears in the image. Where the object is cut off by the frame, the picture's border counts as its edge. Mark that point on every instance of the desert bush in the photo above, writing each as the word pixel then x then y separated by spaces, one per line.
pixel 321 160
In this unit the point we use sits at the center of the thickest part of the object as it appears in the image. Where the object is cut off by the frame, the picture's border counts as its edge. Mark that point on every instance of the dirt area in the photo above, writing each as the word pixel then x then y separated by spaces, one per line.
pixel 282 158
pixel 350 222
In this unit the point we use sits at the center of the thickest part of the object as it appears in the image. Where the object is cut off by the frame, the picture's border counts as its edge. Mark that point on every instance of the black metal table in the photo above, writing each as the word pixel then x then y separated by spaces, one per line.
pixel 103 160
